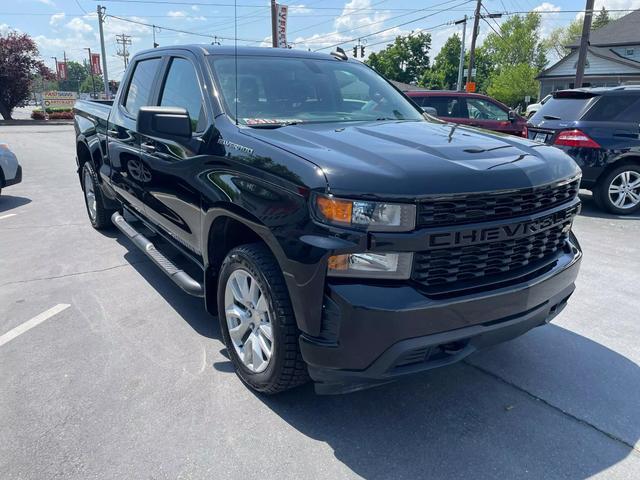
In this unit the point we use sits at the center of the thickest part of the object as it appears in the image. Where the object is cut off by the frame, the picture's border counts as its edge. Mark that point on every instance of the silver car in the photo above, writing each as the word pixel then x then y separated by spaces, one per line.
pixel 10 169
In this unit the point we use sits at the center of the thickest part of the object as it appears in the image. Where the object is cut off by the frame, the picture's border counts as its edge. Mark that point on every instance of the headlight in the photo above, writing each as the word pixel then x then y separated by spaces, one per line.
pixel 395 266
pixel 373 216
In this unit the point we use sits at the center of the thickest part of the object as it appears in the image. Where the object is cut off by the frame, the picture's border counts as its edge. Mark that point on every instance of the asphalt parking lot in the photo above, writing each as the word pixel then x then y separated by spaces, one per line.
pixel 128 377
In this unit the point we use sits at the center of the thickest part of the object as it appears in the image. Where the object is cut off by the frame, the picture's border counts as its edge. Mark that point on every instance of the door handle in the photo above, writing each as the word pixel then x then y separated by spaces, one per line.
pixel 148 147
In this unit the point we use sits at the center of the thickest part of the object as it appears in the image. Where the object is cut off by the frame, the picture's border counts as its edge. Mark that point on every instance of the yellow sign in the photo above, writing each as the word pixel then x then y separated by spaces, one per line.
pixel 59 99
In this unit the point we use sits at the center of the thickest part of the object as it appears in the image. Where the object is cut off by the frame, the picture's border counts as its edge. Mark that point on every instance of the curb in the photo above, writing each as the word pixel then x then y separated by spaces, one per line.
pixel 36 122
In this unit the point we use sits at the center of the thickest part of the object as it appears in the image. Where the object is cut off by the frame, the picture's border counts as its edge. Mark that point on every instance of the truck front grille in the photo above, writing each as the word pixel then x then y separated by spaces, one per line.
pixel 469 266
pixel 480 207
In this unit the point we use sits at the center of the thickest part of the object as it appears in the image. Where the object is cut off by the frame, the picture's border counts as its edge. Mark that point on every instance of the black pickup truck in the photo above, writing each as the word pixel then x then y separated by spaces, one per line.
pixel 337 231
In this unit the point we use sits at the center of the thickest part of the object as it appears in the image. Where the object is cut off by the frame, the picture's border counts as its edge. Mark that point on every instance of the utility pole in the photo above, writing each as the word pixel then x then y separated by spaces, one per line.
pixel 584 44
pixel 461 64
pixel 474 36
pixel 123 40
pixel 93 79
pixel 101 11
pixel 274 24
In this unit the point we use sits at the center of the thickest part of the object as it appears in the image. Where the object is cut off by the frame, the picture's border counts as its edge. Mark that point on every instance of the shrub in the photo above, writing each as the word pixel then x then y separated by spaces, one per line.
pixel 54 114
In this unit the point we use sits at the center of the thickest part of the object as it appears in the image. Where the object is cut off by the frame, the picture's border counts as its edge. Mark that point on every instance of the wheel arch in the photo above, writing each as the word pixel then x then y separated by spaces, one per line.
pixel 226 227
pixel 629 159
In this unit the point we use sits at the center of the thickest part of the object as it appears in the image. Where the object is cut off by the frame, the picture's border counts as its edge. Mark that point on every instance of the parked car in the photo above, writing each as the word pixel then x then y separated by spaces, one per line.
pixel 534 107
pixel 600 129
pixel 336 232
pixel 10 169
pixel 471 109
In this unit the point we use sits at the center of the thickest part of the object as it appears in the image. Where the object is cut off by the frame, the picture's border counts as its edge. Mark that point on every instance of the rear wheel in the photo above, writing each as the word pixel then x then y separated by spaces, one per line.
pixel 99 216
pixel 619 191
pixel 257 321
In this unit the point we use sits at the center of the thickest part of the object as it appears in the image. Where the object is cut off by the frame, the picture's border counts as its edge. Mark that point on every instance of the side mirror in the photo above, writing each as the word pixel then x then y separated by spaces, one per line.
pixel 430 111
pixel 512 115
pixel 171 123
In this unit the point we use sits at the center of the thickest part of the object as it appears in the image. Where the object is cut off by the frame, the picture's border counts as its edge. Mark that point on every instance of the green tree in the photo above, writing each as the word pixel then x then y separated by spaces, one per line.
pixel 444 72
pixel 405 60
pixel 77 73
pixel 517 42
pixel 512 84
pixel 601 19
pixel 87 85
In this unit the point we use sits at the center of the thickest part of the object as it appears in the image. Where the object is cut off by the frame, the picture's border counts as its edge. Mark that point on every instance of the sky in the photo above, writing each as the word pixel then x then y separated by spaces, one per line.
pixel 69 26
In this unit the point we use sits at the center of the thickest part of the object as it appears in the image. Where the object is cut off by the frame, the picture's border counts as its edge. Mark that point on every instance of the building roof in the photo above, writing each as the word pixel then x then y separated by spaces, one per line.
pixel 406 87
pixel 623 31
pixel 602 52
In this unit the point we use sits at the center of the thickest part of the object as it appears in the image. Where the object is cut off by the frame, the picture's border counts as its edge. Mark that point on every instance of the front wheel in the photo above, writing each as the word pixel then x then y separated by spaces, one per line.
pixel 619 191
pixel 257 321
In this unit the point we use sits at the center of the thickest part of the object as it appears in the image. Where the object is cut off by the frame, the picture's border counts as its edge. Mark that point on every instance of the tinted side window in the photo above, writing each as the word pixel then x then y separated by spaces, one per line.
pixel 445 106
pixel 615 108
pixel 140 86
pixel 182 89
pixel 485 110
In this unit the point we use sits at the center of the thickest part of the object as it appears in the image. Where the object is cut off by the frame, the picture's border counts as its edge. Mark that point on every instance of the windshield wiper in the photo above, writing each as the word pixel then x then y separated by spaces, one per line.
pixel 551 117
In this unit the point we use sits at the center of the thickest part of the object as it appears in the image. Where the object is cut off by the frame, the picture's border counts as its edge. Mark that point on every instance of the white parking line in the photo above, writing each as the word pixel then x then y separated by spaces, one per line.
pixel 8 215
pixel 34 322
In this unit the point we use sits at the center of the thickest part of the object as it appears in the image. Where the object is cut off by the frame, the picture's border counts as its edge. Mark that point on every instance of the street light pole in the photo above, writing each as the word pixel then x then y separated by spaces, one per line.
pixel 93 79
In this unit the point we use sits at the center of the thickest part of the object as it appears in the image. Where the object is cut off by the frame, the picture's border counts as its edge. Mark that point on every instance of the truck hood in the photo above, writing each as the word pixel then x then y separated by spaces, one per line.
pixel 411 159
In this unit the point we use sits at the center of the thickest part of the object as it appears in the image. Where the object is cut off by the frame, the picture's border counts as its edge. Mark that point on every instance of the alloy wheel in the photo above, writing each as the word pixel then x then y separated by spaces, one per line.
pixel 248 320
pixel 624 190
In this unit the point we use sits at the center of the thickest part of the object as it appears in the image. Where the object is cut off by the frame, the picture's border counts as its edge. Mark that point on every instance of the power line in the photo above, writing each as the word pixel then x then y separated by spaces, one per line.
pixel 327 21
pixel 182 31
pixel 163 2
pixel 394 26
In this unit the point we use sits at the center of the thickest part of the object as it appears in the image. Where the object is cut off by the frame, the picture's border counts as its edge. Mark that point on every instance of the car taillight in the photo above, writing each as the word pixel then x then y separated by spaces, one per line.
pixel 575 138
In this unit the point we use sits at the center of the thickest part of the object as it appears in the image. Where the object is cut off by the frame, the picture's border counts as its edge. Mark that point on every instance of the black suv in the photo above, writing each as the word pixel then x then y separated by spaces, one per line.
pixel 600 129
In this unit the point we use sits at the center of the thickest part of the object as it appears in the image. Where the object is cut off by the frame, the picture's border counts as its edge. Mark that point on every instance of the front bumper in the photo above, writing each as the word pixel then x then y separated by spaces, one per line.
pixel 373 334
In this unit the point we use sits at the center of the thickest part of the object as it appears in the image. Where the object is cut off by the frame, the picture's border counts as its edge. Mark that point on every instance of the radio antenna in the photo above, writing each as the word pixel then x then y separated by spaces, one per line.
pixel 235 50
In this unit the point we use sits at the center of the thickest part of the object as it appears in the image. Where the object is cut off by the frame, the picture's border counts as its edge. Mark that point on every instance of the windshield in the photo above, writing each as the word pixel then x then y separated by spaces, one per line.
pixel 285 90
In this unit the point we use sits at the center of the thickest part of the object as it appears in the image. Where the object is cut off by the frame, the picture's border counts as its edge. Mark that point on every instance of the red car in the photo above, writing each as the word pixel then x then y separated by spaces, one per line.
pixel 470 109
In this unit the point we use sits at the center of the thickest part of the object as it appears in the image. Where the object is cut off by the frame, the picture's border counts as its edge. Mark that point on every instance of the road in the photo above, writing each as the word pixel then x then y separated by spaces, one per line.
pixel 128 377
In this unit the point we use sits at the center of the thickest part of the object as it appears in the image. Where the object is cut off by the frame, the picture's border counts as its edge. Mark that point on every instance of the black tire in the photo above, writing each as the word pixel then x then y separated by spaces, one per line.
pixel 286 369
pixel 102 218
pixel 601 191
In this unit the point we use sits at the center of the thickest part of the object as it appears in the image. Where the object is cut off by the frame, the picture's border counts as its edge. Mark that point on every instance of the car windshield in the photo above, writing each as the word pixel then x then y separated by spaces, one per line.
pixel 286 90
